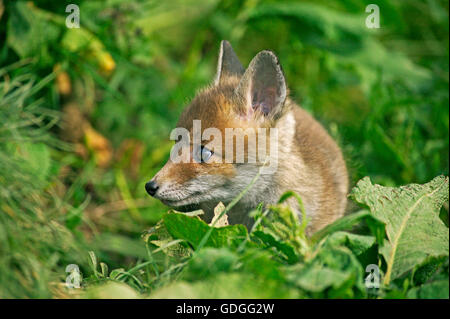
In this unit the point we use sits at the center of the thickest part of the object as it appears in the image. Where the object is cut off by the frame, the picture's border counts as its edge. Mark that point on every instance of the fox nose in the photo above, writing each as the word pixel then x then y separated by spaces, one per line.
pixel 151 188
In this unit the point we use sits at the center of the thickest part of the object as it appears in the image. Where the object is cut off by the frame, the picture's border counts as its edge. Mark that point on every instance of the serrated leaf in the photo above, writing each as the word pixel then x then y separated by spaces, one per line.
pixel 430 269
pixel 413 227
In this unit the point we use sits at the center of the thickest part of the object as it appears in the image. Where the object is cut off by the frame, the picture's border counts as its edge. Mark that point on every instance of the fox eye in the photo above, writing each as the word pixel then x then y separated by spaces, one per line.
pixel 202 154
pixel 206 154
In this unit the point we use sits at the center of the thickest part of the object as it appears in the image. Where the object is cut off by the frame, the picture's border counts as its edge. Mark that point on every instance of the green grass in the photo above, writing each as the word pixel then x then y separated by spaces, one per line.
pixel 85 117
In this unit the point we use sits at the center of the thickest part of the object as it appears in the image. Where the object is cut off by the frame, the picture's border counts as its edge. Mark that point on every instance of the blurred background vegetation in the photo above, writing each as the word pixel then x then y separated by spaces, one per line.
pixel 85 114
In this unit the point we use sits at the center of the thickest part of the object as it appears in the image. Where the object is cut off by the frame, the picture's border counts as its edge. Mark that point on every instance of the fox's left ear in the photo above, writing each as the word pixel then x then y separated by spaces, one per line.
pixel 228 63
pixel 263 86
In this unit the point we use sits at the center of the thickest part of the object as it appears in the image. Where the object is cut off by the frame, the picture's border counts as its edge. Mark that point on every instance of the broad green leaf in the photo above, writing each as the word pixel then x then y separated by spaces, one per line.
pixel 364 247
pixel 192 229
pixel 358 244
pixel 159 236
pixel 317 279
pixel 209 262
pixel 434 290
pixel 261 263
pixel 269 241
pixel 413 227
pixel 334 271
pixel 347 222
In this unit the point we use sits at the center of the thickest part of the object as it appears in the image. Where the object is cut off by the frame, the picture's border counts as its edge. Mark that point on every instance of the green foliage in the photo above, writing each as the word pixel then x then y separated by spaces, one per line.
pixel 409 212
pixel 85 116
pixel 33 239
pixel 434 290
pixel 329 266
pixel 193 230
pixel 29 34
pixel 341 35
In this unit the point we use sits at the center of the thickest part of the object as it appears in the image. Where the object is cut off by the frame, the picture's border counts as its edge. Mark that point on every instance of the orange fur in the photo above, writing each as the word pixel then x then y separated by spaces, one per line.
pixel 310 162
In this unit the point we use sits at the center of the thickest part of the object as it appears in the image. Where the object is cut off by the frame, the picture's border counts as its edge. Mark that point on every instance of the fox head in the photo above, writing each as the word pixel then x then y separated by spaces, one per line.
pixel 221 134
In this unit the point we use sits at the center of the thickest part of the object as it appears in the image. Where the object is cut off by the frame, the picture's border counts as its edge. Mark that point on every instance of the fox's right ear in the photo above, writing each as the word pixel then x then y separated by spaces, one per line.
pixel 263 86
pixel 228 64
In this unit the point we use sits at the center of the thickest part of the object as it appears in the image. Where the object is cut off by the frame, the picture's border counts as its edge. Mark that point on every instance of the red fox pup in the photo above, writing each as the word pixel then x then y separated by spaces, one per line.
pixel 242 124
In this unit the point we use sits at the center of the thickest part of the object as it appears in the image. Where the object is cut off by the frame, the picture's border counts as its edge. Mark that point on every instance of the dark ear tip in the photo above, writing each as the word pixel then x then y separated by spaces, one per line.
pixel 269 57
pixel 267 54
pixel 228 63
pixel 226 45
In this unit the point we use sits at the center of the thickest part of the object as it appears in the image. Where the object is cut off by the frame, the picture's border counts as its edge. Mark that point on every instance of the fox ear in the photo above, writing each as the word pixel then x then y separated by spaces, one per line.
pixel 263 86
pixel 228 63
